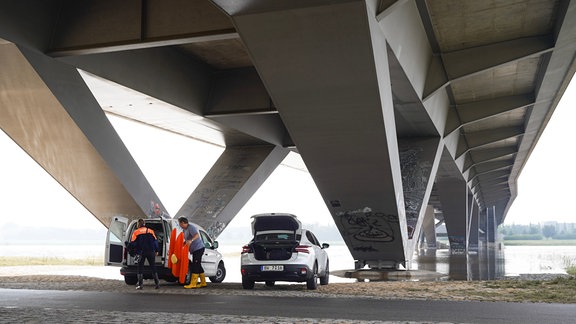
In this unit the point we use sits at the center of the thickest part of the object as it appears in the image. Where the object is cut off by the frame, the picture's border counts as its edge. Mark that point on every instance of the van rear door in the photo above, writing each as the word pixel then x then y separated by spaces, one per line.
pixel 114 254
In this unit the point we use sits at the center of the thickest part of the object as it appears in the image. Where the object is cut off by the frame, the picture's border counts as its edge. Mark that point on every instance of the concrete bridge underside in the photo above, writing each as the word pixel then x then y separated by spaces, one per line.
pixel 405 112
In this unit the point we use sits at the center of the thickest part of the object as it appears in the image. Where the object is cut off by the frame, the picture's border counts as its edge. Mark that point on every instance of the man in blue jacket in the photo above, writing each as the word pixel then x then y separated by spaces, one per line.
pixel 146 246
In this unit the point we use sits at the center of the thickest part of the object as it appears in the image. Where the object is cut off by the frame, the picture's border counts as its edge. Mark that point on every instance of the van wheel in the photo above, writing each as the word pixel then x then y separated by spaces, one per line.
pixel 247 283
pixel 220 273
pixel 312 283
pixel 131 280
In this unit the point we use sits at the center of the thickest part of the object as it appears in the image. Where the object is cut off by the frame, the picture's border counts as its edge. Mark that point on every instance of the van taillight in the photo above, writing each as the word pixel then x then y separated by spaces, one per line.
pixel 302 249
pixel 246 249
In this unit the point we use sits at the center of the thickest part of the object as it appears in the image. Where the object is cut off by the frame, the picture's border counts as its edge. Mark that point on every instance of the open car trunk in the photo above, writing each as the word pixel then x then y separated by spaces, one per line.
pixel 274 236
pixel 274 246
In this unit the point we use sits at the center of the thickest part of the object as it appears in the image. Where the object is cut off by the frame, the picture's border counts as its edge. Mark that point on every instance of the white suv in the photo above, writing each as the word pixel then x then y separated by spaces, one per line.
pixel 120 231
pixel 282 251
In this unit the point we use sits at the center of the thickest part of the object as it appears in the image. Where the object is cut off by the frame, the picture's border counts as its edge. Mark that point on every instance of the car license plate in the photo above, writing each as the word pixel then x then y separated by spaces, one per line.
pixel 272 268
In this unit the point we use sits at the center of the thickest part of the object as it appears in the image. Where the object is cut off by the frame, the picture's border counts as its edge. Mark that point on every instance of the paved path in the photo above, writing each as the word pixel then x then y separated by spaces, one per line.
pixel 49 306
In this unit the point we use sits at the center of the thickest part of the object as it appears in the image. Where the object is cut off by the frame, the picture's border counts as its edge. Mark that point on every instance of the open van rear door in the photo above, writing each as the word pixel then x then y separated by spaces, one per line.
pixel 115 241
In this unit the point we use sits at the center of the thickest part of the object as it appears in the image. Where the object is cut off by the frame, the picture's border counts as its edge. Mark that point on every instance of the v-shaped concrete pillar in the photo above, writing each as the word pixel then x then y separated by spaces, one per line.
pixel 46 108
pixel 419 159
pixel 337 104
pixel 229 184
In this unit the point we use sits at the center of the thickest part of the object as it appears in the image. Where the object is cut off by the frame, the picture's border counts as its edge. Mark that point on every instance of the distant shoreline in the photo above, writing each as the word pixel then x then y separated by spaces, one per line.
pixel 539 243
pixel 11 261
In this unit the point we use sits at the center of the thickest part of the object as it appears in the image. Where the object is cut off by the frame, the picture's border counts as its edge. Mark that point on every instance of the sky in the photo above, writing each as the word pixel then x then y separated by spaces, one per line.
pixel 28 193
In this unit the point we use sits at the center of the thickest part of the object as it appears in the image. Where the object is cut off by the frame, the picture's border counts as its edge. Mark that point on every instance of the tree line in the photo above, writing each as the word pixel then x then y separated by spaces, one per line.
pixel 548 230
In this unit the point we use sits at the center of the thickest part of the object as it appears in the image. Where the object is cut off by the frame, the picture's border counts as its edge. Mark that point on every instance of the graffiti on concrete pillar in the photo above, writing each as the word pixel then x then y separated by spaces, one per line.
pixel 156 211
pixel 415 176
pixel 216 228
pixel 457 244
pixel 368 227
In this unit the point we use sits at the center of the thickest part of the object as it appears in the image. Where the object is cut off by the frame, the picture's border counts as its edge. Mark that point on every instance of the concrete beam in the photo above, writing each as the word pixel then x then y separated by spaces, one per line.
pixel 360 185
pixel 93 26
pixel 238 92
pixel 493 177
pixel 487 167
pixel 408 40
pixel 185 83
pixel 174 77
pixel 16 26
pixel 479 139
pixel 479 156
pixel 467 62
pixel 470 113
pixel 239 100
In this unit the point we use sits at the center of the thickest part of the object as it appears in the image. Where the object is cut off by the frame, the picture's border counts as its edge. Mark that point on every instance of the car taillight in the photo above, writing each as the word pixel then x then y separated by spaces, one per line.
pixel 246 249
pixel 302 249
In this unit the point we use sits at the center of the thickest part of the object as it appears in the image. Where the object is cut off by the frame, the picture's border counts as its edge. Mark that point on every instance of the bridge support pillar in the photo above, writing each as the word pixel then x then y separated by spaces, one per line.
pixel 473 230
pixel 419 159
pixel 453 195
pixel 491 226
pixel 429 228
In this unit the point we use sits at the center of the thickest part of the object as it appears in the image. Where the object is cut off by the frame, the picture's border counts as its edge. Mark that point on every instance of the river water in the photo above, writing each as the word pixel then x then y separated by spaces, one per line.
pixel 491 264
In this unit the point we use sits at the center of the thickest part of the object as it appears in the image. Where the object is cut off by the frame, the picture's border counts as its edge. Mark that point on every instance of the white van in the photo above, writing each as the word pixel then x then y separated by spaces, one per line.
pixel 120 232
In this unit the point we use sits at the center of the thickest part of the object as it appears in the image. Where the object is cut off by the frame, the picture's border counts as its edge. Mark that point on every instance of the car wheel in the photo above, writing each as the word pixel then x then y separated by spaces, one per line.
pixel 312 282
pixel 326 276
pixel 131 280
pixel 247 283
pixel 270 283
pixel 220 273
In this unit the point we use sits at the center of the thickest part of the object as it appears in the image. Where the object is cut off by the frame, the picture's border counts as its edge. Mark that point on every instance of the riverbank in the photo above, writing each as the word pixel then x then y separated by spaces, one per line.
pixel 546 288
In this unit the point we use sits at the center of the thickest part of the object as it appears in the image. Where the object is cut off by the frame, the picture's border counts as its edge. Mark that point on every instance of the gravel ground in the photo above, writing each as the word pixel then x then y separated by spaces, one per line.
pixel 14 278
pixel 55 278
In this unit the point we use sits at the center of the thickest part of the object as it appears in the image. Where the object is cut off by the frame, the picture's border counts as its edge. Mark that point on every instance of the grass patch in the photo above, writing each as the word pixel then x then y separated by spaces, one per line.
pixel 23 261
pixel 559 290
pixel 569 266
